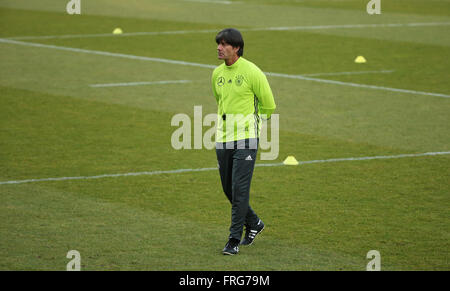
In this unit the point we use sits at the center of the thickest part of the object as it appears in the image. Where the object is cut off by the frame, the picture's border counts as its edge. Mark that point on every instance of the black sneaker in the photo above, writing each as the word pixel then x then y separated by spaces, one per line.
pixel 232 247
pixel 251 233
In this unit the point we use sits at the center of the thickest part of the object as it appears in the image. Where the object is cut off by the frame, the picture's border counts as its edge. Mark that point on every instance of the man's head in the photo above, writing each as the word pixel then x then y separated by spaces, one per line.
pixel 230 44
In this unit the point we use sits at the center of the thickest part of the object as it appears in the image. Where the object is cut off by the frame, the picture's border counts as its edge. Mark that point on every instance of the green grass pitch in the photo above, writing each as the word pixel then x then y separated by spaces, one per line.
pixel 318 216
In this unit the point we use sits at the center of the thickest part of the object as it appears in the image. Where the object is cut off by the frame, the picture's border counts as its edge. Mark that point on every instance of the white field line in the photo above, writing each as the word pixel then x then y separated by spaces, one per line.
pixel 130 84
pixel 302 77
pixel 143 33
pixel 348 73
pixel 284 28
pixel 213 1
pixel 215 169
pixel 379 25
pixel 175 62
pixel 139 83
pixel 108 54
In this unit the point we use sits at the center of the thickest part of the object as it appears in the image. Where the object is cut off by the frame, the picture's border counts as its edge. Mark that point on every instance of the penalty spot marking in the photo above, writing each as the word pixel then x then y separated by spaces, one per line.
pixel 215 169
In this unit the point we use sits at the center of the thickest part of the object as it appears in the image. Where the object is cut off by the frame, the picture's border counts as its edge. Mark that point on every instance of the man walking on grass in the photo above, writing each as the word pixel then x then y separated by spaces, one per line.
pixel 243 98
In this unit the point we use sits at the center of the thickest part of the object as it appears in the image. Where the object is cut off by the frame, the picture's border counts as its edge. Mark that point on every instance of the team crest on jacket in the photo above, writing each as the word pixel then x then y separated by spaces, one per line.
pixel 239 80
pixel 221 81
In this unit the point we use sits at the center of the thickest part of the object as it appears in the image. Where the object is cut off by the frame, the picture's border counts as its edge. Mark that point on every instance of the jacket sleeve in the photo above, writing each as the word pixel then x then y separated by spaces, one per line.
pixel 261 88
pixel 213 84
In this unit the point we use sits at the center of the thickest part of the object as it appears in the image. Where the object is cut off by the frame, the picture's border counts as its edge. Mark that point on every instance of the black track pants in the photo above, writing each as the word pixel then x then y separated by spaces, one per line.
pixel 236 170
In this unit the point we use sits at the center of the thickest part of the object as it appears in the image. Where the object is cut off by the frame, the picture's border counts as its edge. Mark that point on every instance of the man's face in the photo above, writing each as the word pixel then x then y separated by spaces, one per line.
pixel 225 51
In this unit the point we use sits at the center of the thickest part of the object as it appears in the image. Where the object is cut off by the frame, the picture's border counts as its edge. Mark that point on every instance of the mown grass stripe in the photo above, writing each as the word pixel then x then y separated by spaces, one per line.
pixel 183 63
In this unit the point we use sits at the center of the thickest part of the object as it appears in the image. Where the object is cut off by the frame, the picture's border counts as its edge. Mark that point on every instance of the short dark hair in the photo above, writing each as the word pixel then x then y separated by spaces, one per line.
pixel 232 37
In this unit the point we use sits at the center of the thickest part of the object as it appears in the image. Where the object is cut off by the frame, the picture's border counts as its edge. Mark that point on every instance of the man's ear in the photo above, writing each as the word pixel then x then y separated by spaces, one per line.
pixel 236 49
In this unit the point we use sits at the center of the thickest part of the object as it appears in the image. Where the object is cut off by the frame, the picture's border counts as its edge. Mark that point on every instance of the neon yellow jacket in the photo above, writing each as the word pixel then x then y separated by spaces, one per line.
pixel 243 94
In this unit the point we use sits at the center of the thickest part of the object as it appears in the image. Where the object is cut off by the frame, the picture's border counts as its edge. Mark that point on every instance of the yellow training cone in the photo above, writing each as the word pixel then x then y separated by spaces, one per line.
pixel 360 60
pixel 290 161
pixel 117 31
